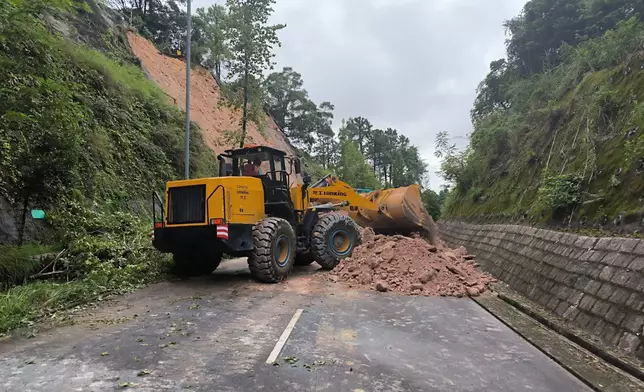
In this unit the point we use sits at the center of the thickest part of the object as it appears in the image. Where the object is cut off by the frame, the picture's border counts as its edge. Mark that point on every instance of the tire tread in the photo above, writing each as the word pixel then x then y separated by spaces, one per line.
pixel 320 247
pixel 260 258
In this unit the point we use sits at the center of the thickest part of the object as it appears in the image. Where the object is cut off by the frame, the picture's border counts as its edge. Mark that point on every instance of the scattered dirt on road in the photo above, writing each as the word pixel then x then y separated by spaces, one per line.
pixel 411 265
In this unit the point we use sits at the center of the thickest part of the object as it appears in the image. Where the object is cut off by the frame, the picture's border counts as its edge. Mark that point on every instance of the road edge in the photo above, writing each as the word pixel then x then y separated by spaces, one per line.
pixel 560 328
pixel 613 380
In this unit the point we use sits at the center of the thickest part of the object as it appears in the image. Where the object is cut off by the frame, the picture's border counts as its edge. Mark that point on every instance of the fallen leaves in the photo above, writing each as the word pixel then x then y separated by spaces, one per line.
pixel 293 361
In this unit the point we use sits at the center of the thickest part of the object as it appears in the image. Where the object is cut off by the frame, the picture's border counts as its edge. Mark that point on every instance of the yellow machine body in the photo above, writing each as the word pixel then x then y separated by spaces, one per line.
pixel 234 200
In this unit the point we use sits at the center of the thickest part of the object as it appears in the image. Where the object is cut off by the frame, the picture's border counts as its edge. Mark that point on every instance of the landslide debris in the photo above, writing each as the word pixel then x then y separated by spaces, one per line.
pixel 411 265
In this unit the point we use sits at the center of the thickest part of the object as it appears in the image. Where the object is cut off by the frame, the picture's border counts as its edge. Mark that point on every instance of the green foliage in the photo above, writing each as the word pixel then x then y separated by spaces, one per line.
pixel 87 137
pixel 454 168
pixel 73 118
pixel 106 251
pixel 578 119
pixel 250 40
pixel 22 305
pixel 358 130
pixel 209 40
pixel 492 93
pixel 353 169
pixel 561 191
pixel 538 32
pixel 17 263
pixel 162 21
pixel 433 203
pixel 395 162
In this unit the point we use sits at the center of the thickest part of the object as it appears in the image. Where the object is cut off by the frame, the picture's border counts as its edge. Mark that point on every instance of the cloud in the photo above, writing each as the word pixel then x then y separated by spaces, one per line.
pixel 413 65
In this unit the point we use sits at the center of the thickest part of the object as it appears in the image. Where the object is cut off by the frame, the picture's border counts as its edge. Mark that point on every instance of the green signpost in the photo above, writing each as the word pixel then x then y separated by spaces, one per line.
pixel 38 214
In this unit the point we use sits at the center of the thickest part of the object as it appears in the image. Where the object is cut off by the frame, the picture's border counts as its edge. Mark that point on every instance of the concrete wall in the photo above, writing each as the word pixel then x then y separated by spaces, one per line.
pixel 596 283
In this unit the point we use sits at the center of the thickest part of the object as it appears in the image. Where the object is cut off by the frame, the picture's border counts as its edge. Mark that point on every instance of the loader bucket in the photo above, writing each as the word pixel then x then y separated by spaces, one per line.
pixel 401 211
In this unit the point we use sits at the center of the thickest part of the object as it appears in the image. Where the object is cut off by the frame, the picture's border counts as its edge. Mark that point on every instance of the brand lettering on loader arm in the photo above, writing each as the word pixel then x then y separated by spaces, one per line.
pixel 329 193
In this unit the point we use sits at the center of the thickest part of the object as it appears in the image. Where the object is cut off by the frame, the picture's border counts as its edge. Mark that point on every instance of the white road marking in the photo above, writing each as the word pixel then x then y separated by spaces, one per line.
pixel 282 340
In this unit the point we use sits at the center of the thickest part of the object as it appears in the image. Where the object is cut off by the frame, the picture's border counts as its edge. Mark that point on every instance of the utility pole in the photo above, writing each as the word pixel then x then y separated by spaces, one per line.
pixel 188 36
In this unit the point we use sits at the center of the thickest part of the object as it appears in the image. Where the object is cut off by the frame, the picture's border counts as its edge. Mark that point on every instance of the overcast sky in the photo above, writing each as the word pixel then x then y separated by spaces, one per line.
pixel 412 65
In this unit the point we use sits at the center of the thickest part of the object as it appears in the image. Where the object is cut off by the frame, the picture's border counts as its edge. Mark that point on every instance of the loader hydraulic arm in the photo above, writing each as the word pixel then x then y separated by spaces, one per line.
pixel 396 210
pixel 331 189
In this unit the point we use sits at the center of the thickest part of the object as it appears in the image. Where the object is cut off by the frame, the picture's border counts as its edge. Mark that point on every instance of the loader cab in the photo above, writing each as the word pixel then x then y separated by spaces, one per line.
pixel 272 167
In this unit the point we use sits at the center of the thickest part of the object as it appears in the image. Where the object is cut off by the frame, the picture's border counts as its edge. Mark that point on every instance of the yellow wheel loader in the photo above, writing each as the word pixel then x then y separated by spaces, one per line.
pixel 258 208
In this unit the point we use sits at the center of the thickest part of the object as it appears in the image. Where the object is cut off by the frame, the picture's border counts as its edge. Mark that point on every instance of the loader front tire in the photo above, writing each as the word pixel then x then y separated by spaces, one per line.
pixel 273 254
pixel 334 238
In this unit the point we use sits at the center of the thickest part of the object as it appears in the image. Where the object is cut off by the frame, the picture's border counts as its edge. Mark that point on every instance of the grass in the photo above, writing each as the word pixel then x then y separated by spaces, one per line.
pixel 123 75
pixel 22 305
pixel 17 262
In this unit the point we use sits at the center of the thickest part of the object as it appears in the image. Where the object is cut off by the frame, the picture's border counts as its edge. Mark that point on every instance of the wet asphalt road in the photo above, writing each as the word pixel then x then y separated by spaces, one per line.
pixel 216 333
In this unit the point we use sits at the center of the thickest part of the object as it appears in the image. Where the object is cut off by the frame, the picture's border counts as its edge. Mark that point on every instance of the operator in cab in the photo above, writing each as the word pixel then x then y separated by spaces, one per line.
pixel 252 168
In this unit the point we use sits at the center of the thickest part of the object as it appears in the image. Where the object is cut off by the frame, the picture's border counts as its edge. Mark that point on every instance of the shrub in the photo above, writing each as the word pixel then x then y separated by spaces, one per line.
pixel 560 192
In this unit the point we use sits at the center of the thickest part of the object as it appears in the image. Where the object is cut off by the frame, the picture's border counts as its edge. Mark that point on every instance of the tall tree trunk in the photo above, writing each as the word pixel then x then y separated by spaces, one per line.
pixel 375 154
pixel 385 171
pixel 23 220
pixel 245 107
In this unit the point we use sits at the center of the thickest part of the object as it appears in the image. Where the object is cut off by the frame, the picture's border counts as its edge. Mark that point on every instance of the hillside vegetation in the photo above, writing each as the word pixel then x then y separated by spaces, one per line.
pixel 85 136
pixel 559 125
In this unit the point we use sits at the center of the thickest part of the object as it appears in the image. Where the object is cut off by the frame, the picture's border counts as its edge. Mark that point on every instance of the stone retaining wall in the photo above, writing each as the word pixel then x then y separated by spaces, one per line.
pixel 596 283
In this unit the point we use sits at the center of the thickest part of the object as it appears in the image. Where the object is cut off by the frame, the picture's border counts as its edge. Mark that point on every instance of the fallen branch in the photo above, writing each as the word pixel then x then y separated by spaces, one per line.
pixel 45 274
pixel 52 262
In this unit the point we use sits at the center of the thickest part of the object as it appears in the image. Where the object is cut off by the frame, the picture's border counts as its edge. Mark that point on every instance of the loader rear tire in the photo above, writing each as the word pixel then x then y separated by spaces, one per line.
pixel 273 254
pixel 334 238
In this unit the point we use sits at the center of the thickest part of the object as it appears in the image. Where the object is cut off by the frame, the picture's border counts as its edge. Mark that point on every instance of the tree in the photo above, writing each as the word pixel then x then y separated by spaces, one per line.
pixel 284 93
pixel 453 162
pixel 433 203
pixel 353 168
pixel 311 122
pixel 376 146
pixel 390 142
pixel 209 41
pixel 540 29
pixel 288 102
pixel 358 130
pixel 493 92
pixel 326 151
pixel 251 41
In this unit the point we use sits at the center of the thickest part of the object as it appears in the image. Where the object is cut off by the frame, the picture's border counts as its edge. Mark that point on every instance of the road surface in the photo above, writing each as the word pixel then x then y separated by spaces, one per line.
pixel 217 333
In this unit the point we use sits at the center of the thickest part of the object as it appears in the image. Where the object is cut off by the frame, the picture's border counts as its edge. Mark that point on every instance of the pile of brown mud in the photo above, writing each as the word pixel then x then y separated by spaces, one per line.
pixel 411 265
